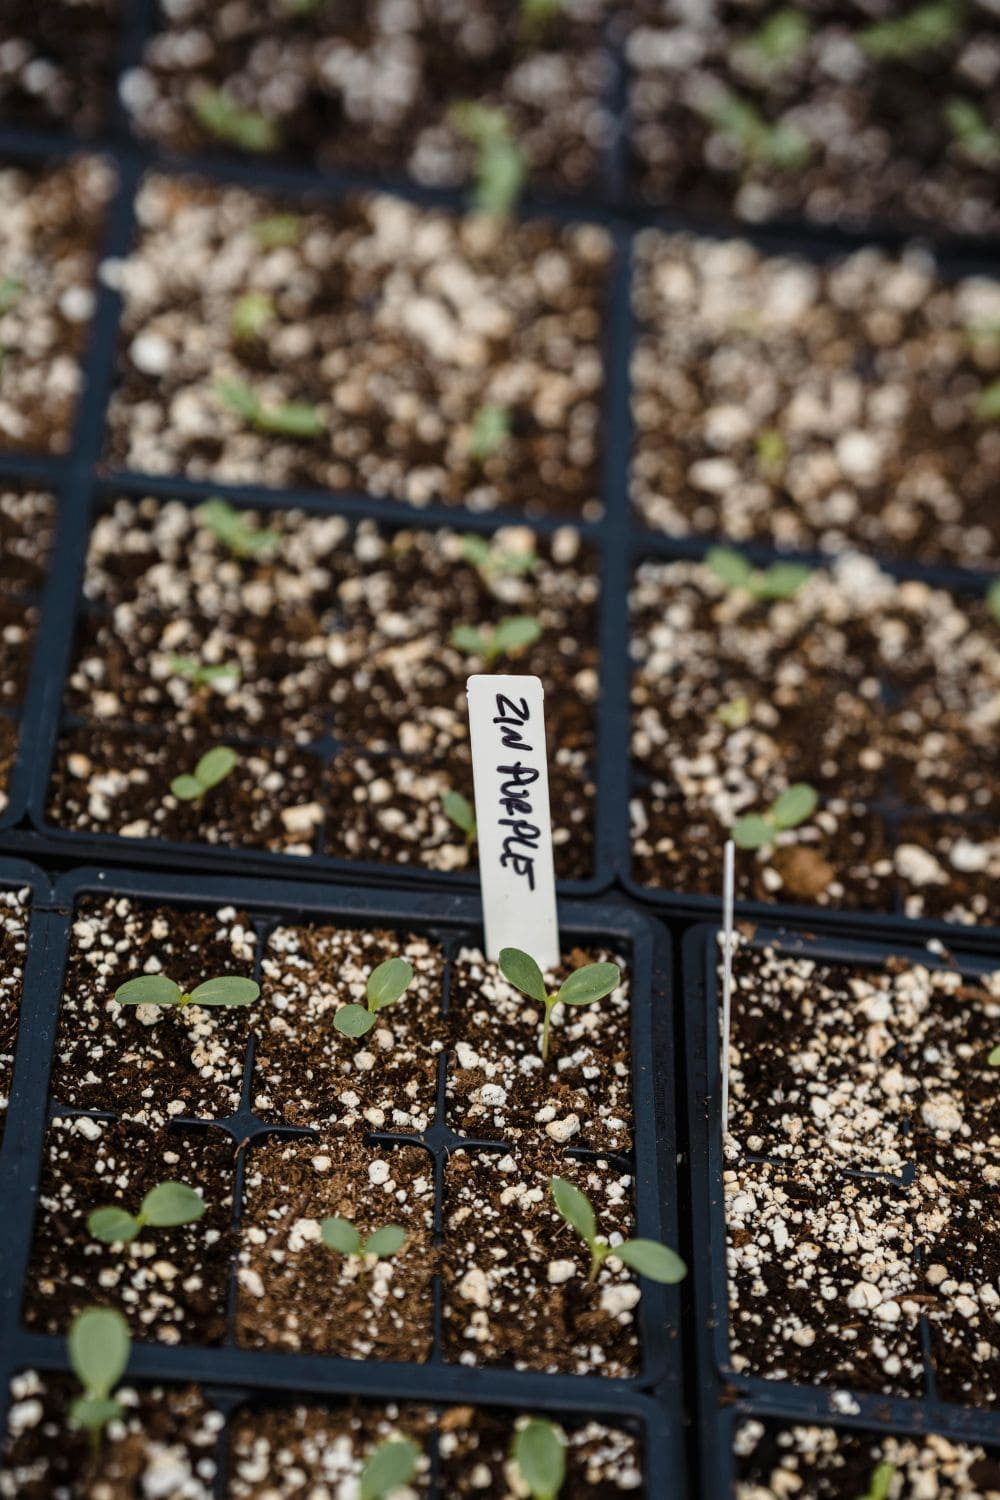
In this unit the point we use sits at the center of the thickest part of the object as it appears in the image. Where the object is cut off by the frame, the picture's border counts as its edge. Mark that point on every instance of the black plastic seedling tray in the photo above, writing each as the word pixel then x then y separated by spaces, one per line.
pixel 649 1403
pixel 721 1389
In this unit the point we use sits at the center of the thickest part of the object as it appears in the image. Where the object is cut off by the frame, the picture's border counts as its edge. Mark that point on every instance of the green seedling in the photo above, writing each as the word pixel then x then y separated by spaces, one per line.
pixel 98 1348
pixel 462 813
pixel 988 405
pixel 583 987
pixel 779 43
pixel 164 1206
pixel 537 17
pixel 157 989
pixel 993 599
pixel 252 315
pixel 539 1453
pixel 779 581
pixel 490 428
pixel 232 528
pixel 771 449
pixel 10 291
pixel 500 167
pixel 340 1235
pixel 978 139
pixel 390 1467
pixel 492 561
pixel 794 806
pixel 648 1257
pixel 386 984
pixel 201 674
pixel 880 1484
pixel 994 1058
pixel 222 117
pixel 514 634
pixel 736 714
pixel 277 230
pixel 780 145
pixel 214 766
pixel 927 27
pixel 290 419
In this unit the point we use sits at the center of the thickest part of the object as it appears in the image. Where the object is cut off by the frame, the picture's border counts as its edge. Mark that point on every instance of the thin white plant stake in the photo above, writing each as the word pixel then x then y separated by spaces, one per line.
pixel 513 822
pixel 728 896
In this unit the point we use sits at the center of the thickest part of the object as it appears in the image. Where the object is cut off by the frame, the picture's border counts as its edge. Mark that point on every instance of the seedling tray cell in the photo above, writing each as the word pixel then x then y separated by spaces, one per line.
pixel 917 1392
pixel 244 1135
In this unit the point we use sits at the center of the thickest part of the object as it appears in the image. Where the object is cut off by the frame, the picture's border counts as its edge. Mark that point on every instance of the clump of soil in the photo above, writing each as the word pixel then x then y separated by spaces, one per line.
pixel 15 906
pixel 815 407
pixel 50 226
pixel 395 325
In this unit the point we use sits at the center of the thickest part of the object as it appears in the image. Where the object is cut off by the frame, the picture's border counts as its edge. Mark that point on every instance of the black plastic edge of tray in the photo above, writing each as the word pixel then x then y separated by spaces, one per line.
pixel 653 1172
pixel 17 874
pixel 719 1386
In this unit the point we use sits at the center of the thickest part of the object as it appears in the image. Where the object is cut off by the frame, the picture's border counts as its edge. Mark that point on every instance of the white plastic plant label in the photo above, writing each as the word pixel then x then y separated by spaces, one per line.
pixel 514 826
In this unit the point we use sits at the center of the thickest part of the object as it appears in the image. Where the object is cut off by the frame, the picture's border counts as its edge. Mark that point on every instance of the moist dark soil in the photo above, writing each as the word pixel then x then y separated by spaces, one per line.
pixel 306 1072
pixel 774 1461
pixel 870 135
pixel 815 407
pixel 57 64
pixel 874 693
pixel 498 1085
pixel 152 1063
pixel 515 1273
pixel 295 1292
pixel 336 631
pixel 14 920
pixel 166 1444
pixel 369 87
pixel 171 1284
pixel 314 1449
pixel 396 355
pixel 50 227
pixel 27 531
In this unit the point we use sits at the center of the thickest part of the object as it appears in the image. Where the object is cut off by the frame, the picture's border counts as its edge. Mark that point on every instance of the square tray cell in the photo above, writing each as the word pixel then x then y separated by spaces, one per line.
pixel 392 328
pixel 815 407
pixel 51 226
pixel 57 66
pixel 15 918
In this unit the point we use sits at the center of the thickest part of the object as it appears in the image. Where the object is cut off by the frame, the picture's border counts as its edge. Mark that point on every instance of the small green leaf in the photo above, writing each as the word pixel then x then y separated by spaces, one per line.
pixel 215 765
pixel 171 1203
pixel 340 1234
pixel 148 989
pixel 112 1226
pixel 514 634
pixel 781 580
pixel 388 982
pixel 752 832
pixel 574 1207
pixel 293 419
pixel 98 1347
pixel 735 715
pixel 590 983
pixel 238 396
pixel 977 138
pixel 490 426
pixel 92 1413
pixel 476 550
pixel 731 568
pixel 880 1484
pixel 353 1020
pixel 994 1058
pixel 222 117
pixel 187 788
pixel 771 448
pixel 988 405
pixel 539 1451
pixel 461 812
pixel 227 989
pixel 388 1240
pixel 993 599
pixel 468 639
pixel 521 970
pixel 794 806
pixel 390 1467
pixel 652 1259
pixel 927 27
pixel 277 230
pixel 782 39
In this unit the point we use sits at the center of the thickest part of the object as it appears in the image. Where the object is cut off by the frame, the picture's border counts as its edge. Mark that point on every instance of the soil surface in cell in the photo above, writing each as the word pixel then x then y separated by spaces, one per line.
pixel 57 67
pixel 475 1447
pixel 328 1447
pixel 14 918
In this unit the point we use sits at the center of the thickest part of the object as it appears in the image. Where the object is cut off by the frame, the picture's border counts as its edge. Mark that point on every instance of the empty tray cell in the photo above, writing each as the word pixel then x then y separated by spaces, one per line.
pixel 959 1226
pixel 57 65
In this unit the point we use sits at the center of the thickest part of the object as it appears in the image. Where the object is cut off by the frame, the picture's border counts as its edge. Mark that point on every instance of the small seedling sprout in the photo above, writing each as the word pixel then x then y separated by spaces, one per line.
pixel 777 44
pixel 539 1453
pixel 795 805
pixel 490 427
pixel 771 448
pixel 977 138
pixel 514 634
pixel 584 986
pixel 988 405
pixel 252 313
pixel 500 166
pixel 390 1467
pixel 232 528
pixel 277 230
pixel 222 117
pixel 386 984
pixel 993 599
pixel 98 1348
pixel 214 766
pixel 537 16
pixel 936 24
pixel 779 581
pixel 462 813
pixel 880 1484
pixel 164 1206
pixel 340 1235
pixel 647 1257
pixel 203 674
pixel 157 989
pixel 994 1058
pixel 492 561
pixel 290 419
pixel 735 714
pixel 782 146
